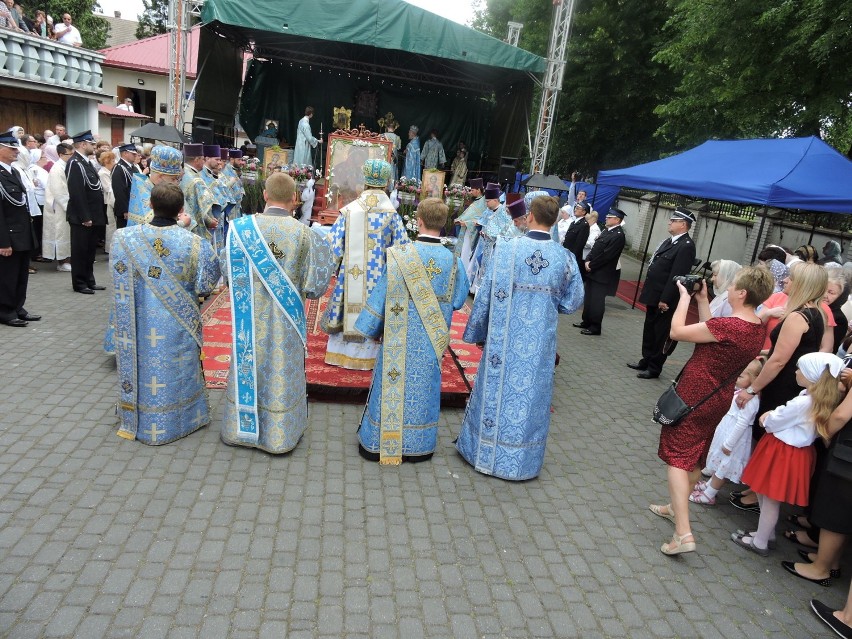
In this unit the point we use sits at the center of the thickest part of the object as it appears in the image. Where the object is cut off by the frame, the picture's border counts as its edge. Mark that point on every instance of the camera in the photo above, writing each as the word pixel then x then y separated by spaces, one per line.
pixel 692 283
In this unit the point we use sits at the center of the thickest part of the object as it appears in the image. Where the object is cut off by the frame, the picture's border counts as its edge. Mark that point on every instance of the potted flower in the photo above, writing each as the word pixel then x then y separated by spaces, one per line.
pixel 454 196
pixel 407 190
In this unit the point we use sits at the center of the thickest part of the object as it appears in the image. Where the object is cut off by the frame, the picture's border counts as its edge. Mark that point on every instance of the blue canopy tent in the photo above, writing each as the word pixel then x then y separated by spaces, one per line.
pixel 790 173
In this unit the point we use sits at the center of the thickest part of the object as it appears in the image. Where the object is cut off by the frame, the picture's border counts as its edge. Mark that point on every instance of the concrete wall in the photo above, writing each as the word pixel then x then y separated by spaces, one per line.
pixel 731 241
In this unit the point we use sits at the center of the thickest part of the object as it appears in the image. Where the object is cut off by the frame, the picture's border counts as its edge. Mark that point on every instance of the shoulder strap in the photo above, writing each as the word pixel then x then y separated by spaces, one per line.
pixel 730 378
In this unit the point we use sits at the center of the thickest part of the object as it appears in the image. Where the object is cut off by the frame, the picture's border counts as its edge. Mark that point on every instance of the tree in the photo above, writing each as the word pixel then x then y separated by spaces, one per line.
pixel 611 84
pixel 754 68
pixel 154 18
pixel 93 28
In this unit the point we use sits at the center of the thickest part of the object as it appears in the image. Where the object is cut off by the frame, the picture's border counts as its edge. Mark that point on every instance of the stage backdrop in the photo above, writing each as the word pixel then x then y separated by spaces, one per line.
pixel 279 91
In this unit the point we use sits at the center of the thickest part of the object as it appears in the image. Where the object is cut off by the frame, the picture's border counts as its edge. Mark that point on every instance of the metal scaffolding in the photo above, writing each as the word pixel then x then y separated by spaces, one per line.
pixel 180 12
pixel 557 55
pixel 514 33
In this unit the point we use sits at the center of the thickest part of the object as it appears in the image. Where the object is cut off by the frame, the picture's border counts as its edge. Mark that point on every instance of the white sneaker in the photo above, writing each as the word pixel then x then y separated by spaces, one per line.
pixel 65 267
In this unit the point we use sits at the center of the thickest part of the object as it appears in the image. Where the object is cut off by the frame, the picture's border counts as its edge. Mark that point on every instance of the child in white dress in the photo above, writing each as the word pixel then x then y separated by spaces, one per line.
pixel 731 446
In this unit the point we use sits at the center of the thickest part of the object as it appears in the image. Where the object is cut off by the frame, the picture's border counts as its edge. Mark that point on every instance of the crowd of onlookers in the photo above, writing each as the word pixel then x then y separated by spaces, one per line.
pixel 15 18
pixel 41 165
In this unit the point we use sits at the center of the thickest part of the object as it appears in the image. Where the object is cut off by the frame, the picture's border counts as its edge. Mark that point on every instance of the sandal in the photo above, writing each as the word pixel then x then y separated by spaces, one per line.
pixel 793 535
pixel 677 545
pixel 700 497
pixel 797 520
pixel 665 512
pixel 699 486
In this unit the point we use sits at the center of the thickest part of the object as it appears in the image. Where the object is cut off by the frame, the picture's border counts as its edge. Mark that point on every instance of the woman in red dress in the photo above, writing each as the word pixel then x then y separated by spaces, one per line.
pixel 724 347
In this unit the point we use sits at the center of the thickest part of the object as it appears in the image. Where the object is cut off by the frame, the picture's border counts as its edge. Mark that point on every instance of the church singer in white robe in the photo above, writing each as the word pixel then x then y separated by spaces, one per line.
pixel 305 140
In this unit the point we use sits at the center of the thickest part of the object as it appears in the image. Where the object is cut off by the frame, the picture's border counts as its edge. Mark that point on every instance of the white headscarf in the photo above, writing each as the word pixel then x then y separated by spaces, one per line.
pixel 35 155
pixel 813 365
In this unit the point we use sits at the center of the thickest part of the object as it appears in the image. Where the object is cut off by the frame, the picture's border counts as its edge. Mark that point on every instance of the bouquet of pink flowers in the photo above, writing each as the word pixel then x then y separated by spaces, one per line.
pixel 408 185
pixel 456 191
pixel 300 173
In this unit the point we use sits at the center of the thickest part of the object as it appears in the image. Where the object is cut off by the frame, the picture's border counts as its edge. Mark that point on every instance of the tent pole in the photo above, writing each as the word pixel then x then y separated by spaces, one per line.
pixel 593 195
pixel 759 235
pixel 713 239
pixel 813 230
pixel 645 255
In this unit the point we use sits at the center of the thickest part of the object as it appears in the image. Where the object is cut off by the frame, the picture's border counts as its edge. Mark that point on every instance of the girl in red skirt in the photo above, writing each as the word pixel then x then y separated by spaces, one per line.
pixel 780 468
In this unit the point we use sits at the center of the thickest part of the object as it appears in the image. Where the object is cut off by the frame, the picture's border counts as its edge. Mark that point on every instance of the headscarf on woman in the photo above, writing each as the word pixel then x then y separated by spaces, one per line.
pixel 779 274
pixel 724 272
pixel 831 253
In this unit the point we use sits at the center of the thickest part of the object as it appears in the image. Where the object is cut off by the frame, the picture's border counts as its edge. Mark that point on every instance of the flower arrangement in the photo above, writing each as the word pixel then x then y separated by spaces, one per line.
pixel 408 185
pixel 409 220
pixel 456 191
pixel 300 172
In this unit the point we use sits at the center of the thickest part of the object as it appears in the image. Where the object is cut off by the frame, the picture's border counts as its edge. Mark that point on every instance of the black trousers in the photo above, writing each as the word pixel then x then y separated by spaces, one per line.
pixel 84 243
pixel 14 275
pixel 655 334
pixel 594 305
pixel 120 221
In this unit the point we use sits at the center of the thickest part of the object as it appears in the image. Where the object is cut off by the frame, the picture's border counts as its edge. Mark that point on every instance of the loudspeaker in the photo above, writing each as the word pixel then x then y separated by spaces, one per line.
pixel 506 174
pixel 507 160
pixel 202 131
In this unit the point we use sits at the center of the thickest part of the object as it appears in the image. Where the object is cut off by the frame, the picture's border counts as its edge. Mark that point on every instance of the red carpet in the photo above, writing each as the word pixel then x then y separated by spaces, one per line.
pixel 331 382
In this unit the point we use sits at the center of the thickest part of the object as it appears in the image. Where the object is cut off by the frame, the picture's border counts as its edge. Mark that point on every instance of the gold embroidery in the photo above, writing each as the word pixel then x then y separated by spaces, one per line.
pixel 355 272
pixel 396 309
pixel 372 199
pixel 432 270
pixel 277 252
pixel 154 271
pixel 161 250
pixel 121 267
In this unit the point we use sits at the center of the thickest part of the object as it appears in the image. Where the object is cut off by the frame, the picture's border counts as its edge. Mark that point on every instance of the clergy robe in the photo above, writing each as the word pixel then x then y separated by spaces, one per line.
pixel 359 239
pixel 56 232
pixel 274 262
pixel 412 160
pixel 235 187
pixel 139 207
pixel 221 199
pixel 305 141
pixel 468 237
pixel 197 202
pixel 529 281
pixel 413 351
pixel 158 273
pixel 496 223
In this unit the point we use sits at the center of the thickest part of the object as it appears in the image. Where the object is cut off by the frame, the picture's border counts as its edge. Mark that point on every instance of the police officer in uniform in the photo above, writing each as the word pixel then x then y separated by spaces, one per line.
pixel 675 256
pixel 602 272
pixel 578 234
pixel 85 213
pixel 122 179
pixel 17 238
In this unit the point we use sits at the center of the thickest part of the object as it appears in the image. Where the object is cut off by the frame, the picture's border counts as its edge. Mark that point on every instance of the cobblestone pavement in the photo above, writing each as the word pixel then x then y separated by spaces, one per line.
pixel 102 537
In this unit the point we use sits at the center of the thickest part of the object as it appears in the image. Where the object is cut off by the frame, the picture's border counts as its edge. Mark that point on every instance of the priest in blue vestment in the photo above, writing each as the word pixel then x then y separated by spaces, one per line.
pixel 159 269
pixel 494 223
pixel 411 308
pixel 305 140
pixel 164 168
pixel 274 263
pixel 412 166
pixel 467 221
pixel 359 239
pixel 529 281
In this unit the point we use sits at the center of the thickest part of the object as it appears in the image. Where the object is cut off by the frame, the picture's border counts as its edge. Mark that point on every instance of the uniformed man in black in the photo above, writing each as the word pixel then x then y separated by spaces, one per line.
pixel 85 213
pixel 578 234
pixel 675 256
pixel 602 272
pixel 16 237
pixel 122 179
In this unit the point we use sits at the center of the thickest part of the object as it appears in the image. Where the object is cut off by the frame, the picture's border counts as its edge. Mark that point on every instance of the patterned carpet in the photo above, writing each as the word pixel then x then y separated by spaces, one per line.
pixel 331 383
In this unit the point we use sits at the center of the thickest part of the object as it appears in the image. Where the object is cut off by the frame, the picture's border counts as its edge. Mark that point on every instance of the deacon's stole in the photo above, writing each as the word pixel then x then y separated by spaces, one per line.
pixel 249 253
pixel 407 279
pixel 144 255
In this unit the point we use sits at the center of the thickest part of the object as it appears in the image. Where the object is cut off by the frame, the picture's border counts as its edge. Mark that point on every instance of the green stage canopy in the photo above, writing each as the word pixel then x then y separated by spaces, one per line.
pixel 372 56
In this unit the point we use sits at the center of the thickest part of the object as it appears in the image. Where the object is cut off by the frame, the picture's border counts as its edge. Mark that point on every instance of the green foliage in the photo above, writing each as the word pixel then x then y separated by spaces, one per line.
pixel 154 18
pixel 754 68
pixel 94 30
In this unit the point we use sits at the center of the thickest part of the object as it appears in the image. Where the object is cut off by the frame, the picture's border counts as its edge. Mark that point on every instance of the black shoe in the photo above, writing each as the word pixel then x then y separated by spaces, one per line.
pixel 587 331
pixel 737 502
pixel 580 325
pixel 647 375
pixel 95 287
pixel 826 615
pixel 30 318
pixel 84 291
pixel 17 322
pixel 638 366
pixel 791 568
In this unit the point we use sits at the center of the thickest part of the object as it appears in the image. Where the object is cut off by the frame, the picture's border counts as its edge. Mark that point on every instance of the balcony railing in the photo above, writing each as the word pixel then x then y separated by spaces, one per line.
pixel 34 59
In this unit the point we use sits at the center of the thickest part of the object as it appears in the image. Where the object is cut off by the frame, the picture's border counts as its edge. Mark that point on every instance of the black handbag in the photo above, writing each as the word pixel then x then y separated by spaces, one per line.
pixel 670 409
pixel 840 459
